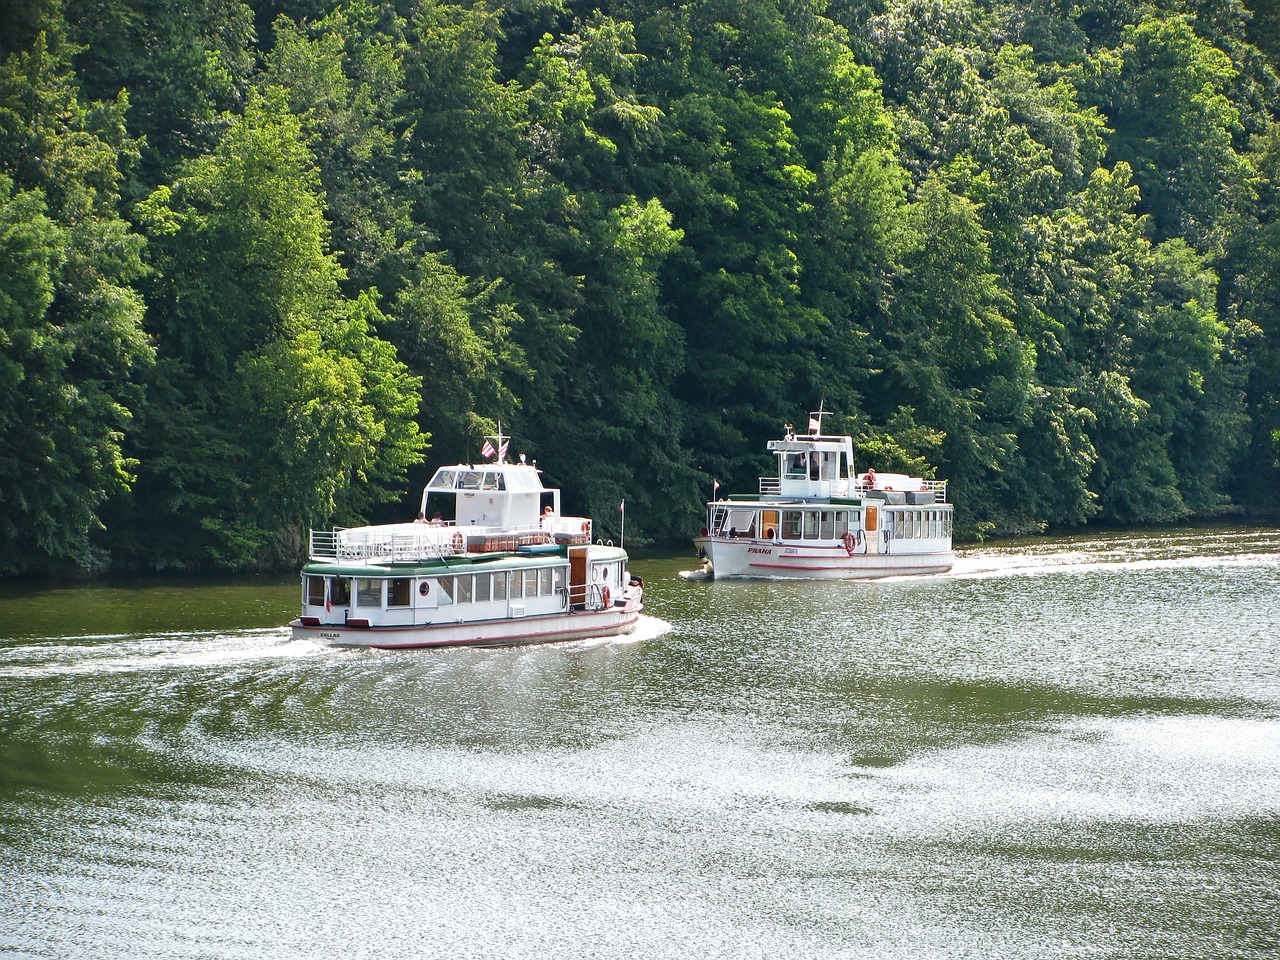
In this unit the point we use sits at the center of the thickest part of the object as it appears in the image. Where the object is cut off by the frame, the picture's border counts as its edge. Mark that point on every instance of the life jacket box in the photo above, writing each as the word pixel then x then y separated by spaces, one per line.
pixel 921 496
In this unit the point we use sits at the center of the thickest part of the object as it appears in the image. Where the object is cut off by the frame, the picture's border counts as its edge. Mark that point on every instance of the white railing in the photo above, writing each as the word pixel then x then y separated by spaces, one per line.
pixel 770 487
pixel 939 488
pixel 346 546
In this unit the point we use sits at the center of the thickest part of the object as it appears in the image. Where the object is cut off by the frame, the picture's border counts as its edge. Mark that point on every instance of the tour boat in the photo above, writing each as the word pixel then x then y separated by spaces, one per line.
pixel 817 520
pixel 506 569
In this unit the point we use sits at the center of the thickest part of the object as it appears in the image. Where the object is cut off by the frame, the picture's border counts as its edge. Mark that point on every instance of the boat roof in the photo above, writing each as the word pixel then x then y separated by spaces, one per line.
pixel 486 476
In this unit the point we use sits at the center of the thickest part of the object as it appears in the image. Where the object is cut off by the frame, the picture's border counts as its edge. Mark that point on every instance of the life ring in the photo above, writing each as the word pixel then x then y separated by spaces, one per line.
pixel 850 541
pixel 604 596
pixel 586 526
pixel 458 540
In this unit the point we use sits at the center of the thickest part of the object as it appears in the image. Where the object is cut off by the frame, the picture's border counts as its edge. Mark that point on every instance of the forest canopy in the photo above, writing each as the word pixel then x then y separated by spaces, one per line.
pixel 264 265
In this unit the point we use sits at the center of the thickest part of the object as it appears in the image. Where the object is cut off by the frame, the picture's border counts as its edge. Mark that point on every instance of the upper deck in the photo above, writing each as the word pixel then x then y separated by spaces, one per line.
pixel 819 467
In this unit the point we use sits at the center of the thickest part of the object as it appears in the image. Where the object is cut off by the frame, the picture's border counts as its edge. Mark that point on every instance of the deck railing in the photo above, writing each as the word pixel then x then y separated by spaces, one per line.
pixel 346 546
pixel 409 542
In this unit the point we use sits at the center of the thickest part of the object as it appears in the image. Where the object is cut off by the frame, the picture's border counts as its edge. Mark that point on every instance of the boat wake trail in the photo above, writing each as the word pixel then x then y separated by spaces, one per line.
pixel 108 654
pixel 1166 552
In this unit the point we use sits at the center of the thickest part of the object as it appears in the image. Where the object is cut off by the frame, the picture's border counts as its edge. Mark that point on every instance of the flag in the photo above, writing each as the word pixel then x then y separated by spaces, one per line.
pixel 487 450
pixel 622 507
pixel 715 487
pixel 814 425
pixel 502 450
pixel 328 602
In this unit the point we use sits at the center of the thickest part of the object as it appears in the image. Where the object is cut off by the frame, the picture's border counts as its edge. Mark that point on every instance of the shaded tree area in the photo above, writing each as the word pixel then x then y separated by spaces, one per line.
pixel 263 266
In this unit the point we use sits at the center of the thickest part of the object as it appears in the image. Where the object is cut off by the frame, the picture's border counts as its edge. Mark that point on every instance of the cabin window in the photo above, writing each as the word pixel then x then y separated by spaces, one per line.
pixel 315 591
pixel 557 579
pixel 811 525
pixel 828 527
pixel 531 583
pixel 445 479
pixel 484 584
pixel 446 590
pixel 340 591
pixel 368 593
pixel 544 581
pixel 791 524
pixel 741 523
pixel 946 527
pixel 398 593
pixel 795 466
pixel 463 594
pixel 899 526
pixel 500 586
pixel 842 522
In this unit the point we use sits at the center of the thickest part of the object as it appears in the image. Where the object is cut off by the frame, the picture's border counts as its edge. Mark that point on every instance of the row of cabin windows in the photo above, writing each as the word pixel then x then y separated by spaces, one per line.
pixel 795 524
pixel 918 524
pixel 460 588
pixel 818 524
pixel 827 524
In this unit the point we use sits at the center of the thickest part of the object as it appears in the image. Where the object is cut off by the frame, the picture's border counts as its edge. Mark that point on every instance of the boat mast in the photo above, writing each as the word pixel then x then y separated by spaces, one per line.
pixel 815 418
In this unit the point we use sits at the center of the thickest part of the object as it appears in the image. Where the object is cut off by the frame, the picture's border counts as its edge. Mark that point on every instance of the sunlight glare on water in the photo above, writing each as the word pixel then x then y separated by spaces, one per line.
pixel 1061 749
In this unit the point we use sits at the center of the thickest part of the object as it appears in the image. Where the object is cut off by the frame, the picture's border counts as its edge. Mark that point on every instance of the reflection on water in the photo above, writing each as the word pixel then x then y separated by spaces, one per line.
pixel 1061 749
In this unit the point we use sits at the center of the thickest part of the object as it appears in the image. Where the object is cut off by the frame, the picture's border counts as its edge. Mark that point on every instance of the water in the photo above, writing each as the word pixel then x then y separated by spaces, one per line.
pixel 1062 749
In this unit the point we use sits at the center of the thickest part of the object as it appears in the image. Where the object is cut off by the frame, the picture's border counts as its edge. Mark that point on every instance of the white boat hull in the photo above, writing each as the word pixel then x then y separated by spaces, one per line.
pixel 762 559
pixel 513 631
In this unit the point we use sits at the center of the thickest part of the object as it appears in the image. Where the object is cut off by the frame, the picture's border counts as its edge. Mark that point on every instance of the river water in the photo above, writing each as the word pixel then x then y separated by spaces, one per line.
pixel 1064 748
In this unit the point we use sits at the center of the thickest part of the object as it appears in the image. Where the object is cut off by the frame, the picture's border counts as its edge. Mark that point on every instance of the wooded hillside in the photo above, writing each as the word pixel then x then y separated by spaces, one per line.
pixel 264 265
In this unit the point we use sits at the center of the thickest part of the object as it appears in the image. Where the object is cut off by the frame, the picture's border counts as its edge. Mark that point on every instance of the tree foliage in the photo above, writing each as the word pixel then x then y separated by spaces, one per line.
pixel 253 256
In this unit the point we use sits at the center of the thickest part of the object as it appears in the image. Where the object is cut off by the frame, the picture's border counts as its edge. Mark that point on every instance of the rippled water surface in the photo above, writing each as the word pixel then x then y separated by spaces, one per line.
pixel 1065 748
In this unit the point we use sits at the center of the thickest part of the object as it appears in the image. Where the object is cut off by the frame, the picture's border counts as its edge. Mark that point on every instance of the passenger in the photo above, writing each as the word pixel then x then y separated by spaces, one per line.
pixel 869 478
pixel 436 520
pixel 422 518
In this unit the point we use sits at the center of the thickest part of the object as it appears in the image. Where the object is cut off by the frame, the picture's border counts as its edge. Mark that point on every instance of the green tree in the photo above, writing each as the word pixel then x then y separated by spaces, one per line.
pixel 71 345
pixel 277 407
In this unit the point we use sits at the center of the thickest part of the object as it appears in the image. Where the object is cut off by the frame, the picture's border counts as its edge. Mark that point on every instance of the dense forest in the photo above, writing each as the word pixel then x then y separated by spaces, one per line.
pixel 263 265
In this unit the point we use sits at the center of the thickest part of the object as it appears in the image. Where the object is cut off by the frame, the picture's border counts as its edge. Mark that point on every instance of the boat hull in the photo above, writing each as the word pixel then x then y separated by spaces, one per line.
pixel 734 558
pixel 550 628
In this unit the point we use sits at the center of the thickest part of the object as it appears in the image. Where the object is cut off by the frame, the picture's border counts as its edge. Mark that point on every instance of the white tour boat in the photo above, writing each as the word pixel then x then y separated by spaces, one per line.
pixel 507 569
pixel 817 520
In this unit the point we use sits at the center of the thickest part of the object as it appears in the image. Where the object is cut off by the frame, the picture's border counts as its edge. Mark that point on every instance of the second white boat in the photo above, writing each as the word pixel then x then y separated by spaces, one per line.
pixel 815 519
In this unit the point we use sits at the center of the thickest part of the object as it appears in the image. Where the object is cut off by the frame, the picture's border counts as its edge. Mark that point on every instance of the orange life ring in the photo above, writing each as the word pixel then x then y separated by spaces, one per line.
pixel 586 526
pixel 850 541
pixel 458 540
pixel 605 596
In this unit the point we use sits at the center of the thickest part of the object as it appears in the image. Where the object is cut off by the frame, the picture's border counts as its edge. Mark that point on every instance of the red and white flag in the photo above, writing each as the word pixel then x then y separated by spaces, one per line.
pixel 715 487
pixel 622 507
pixel 502 450
pixel 487 450
pixel 814 426
pixel 328 601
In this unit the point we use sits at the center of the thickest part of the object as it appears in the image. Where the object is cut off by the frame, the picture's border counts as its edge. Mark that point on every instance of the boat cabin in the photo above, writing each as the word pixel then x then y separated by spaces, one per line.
pixel 464 589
